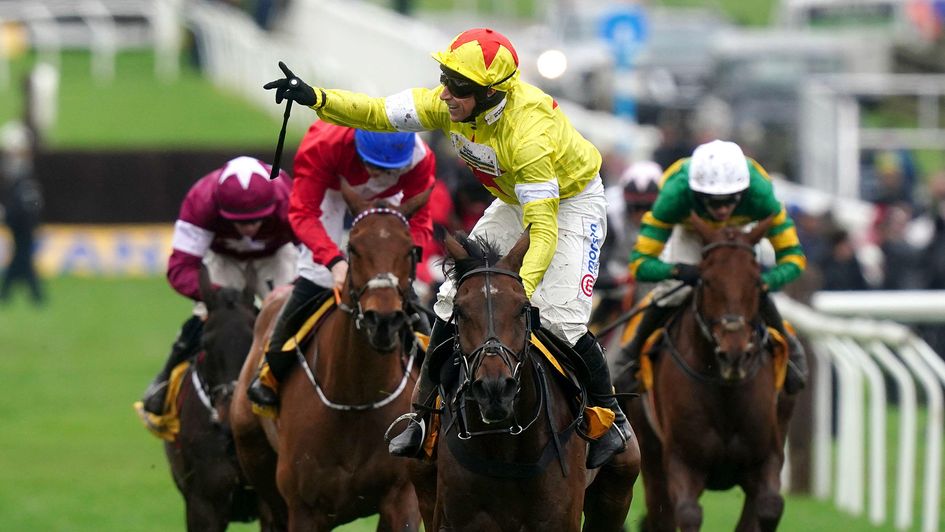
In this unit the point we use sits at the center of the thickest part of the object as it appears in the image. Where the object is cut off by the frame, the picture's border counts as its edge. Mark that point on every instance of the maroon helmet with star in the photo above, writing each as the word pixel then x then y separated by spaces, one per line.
pixel 244 191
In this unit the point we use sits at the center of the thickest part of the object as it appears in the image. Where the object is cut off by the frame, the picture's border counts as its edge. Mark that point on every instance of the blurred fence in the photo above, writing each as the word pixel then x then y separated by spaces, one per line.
pixel 100 26
pixel 861 351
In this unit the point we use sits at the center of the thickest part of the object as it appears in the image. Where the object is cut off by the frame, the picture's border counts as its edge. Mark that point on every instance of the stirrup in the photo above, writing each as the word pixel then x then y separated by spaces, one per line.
pixel 408 444
pixel 262 395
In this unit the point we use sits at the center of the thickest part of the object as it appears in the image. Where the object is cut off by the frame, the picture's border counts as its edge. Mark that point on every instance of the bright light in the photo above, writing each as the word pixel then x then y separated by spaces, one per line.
pixel 552 63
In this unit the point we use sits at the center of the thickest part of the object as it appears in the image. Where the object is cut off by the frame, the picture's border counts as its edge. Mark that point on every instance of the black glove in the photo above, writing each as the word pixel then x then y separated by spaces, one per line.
pixel 292 88
pixel 687 273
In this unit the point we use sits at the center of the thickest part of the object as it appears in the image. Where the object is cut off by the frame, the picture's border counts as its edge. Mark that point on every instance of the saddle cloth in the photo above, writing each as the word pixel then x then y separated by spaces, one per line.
pixel 779 356
pixel 166 426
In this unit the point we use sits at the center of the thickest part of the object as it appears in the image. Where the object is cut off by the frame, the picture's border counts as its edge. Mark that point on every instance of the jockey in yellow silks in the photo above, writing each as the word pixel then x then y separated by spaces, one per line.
pixel 542 172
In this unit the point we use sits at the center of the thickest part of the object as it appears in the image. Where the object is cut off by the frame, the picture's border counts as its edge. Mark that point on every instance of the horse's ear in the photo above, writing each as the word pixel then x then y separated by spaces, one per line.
pixel 454 248
pixel 701 227
pixel 759 230
pixel 411 206
pixel 352 198
pixel 513 259
pixel 206 287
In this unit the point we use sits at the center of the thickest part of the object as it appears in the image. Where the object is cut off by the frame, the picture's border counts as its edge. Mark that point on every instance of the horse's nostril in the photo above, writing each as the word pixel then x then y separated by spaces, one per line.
pixel 371 318
pixel 508 387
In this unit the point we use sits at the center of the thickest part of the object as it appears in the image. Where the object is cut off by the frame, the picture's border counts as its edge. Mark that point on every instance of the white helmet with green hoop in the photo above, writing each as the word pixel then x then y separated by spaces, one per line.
pixel 718 168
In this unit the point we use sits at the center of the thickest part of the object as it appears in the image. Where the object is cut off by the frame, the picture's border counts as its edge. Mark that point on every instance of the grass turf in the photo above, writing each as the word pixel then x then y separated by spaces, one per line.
pixel 75 457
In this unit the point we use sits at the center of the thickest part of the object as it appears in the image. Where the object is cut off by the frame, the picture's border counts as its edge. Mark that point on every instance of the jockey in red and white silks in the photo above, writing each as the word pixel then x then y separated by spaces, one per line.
pixel 327 155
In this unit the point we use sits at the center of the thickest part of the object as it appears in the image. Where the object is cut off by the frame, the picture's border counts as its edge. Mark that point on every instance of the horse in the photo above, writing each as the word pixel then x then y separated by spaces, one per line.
pixel 714 417
pixel 506 453
pixel 202 459
pixel 324 462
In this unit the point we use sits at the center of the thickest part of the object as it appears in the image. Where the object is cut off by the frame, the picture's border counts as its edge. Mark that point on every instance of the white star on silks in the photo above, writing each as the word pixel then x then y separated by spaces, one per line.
pixel 243 169
pixel 243 245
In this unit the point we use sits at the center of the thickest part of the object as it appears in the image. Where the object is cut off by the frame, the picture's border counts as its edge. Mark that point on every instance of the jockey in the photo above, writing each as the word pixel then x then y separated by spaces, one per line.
pixel 232 219
pixel 543 174
pixel 633 195
pixel 390 166
pixel 719 184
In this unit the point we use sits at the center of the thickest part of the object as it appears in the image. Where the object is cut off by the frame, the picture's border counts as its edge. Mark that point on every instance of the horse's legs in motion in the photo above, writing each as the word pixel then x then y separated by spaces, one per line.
pixel 764 504
pixel 607 499
pixel 398 510
pixel 205 513
pixel 685 487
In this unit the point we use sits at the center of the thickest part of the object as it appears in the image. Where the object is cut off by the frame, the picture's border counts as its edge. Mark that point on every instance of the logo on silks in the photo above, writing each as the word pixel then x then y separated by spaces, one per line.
pixel 592 259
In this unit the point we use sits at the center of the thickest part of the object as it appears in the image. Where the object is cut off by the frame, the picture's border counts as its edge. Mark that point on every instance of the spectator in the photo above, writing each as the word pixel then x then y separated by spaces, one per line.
pixel 22 204
pixel 840 268
pixel 901 267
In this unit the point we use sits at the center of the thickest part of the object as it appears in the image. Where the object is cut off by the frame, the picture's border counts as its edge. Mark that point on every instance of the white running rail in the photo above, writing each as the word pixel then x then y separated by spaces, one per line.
pixel 861 350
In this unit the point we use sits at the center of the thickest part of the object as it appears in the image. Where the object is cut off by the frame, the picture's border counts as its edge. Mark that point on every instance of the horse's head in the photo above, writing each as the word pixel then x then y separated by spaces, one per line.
pixel 727 300
pixel 382 262
pixel 493 319
pixel 227 334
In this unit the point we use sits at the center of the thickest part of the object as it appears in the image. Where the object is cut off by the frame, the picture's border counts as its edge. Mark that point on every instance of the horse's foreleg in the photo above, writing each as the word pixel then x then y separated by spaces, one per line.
pixel 685 487
pixel 607 500
pixel 764 504
pixel 205 515
pixel 423 476
pixel 399 510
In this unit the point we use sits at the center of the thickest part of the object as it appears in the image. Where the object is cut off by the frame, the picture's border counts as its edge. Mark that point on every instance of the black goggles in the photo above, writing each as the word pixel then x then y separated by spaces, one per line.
pixel 459 87
pixel 713 201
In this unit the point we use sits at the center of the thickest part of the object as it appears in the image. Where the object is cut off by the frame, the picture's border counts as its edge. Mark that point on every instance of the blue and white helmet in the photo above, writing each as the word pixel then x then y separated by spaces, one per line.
pixel 386 150
pixel 718 168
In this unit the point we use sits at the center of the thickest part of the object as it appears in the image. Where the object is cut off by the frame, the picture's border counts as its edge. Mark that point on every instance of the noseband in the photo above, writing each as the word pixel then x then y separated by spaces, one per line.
pixel 381 280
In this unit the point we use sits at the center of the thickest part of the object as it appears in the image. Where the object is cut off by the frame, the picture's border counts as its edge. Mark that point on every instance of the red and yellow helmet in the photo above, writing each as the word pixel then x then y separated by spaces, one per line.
pixel 483 55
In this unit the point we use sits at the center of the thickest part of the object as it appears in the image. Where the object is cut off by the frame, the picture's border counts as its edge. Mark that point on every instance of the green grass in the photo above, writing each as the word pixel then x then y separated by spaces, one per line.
pixel 136 110
pixel 74 456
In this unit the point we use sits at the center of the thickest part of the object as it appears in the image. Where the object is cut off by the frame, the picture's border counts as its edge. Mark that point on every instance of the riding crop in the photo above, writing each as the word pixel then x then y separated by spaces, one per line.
pixel 285 122
pixel 625 317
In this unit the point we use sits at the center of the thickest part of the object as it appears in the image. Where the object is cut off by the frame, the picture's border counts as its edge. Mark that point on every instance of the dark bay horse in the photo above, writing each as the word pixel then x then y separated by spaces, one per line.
pixel 714 417
pixel 507 456
pixel 325 455
pixel 202 459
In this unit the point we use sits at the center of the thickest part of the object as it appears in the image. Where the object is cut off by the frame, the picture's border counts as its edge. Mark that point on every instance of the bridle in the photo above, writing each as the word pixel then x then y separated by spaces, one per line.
pixel 380 280
pixel 729 322
pixel 493 346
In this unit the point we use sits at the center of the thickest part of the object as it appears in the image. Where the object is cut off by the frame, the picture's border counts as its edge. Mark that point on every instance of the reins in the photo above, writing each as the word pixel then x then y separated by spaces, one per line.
pixel 378 281
pixel 493 346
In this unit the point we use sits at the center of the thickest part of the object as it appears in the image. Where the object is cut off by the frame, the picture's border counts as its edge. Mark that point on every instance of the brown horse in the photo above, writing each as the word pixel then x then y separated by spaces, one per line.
pixel 325 456
pixel 202 460
pixel 507 457
pixel 714 417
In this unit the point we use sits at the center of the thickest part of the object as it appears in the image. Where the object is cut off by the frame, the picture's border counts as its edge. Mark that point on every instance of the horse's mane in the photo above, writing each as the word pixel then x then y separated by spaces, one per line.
pixel 482 252
pixel 229 297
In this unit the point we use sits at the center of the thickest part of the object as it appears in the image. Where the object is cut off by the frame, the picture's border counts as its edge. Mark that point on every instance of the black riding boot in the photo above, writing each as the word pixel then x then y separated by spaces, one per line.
pixel 409 443
pixel 600 393
pixel 187 343
pixel 628 359
pixel 299 307
pixel 796 378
